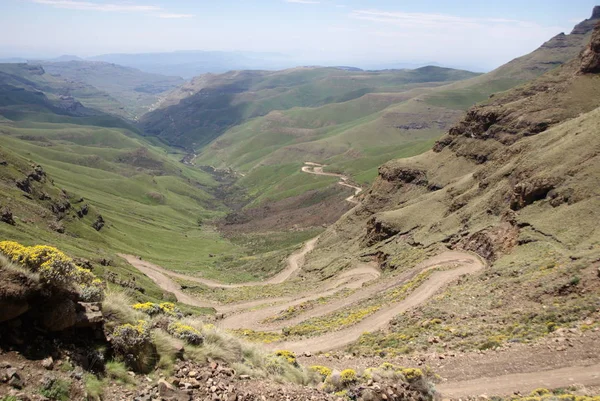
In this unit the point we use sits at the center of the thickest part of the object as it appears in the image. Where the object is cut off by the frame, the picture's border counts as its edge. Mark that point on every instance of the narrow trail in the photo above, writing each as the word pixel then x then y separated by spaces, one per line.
pixel 524 382
pixel 294 262
pixel 317 169
pixel 159 276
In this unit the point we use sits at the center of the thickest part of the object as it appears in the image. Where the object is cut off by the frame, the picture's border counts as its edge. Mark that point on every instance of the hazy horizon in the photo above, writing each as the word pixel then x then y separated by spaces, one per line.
pixel 468 34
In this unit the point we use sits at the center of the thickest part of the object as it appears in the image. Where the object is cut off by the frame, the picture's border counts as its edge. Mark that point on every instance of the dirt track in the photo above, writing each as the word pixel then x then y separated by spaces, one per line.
pixel 525 382
pixel 317 169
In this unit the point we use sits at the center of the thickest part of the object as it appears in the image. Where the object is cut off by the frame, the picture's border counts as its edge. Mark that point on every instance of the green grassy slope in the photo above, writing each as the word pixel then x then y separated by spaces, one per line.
pixel 31 82
pixel 202 110
pixel 135 90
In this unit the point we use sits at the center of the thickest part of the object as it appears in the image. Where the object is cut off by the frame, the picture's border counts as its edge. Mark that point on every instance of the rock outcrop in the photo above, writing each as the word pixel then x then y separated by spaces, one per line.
pixel 590 58
pixel 99 223
pixel 586 26
pixel 6 216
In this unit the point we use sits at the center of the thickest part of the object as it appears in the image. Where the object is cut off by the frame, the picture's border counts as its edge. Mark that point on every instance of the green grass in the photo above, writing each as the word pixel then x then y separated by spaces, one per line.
pixel 58 391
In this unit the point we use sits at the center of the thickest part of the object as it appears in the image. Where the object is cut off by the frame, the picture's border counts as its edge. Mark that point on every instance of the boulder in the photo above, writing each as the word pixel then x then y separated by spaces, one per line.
pixel 59 316
pixel 89 314
pixel 99 223
pixel 48 363
pixel 6 216
pixel 12 309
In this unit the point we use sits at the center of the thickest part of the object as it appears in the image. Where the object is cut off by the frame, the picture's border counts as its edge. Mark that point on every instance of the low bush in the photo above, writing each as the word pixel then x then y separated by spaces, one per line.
pixel 152 309
pixel 323 371
pixel 117 310
pixel 348 376
pixel 185 332
pixel 134 345
pixel 55 269
pixel 94 387
pixel 289 356
pixel 167 348
pixel 117 371
pixel 57 390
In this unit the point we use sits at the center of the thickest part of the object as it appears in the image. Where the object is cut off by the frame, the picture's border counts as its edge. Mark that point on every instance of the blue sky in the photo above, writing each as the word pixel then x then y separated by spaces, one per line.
pixel 468 32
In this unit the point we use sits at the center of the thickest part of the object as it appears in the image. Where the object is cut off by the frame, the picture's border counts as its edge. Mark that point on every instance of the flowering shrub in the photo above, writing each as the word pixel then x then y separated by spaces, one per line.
pixel 412 374
pixel 151 308
pixel 133 343
pixel 323 371
pixel 12 250
pixel 348 376
pixel 289 356
pixel 127 335
pixel 55 268
pixel 185 332
pixel 208 326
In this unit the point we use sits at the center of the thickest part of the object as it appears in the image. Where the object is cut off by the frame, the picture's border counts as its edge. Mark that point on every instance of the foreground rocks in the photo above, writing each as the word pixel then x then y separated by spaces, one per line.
pixel 217 382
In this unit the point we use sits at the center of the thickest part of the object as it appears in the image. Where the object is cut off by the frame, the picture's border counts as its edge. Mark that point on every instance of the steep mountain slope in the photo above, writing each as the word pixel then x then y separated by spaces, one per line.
pixel 135 90
pixel 202 110
pixel 517 183
pixel 558 50
pixel 31 86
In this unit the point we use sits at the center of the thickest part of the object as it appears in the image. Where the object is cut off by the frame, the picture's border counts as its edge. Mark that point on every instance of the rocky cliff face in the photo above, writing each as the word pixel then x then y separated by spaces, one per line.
pixel 529 109
pixel 590 58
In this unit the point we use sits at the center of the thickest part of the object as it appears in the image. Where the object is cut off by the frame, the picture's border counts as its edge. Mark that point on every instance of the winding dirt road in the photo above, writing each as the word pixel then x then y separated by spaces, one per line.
pixel 464 263
pixel 468 264
pixel 317 169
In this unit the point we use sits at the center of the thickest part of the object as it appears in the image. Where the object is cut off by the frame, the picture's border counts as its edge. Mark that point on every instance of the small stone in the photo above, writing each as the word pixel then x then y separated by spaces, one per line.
pixel 16 382
pixel 48 363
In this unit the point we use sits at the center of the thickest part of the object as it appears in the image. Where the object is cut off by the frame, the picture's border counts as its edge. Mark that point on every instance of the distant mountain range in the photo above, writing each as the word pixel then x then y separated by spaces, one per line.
pixel 188 64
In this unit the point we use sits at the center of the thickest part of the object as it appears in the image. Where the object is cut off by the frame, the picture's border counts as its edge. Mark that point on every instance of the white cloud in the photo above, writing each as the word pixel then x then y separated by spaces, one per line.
pixel 426 20
pixel 91 6
pixel 111 7
pixel 303 1
pixel 167 15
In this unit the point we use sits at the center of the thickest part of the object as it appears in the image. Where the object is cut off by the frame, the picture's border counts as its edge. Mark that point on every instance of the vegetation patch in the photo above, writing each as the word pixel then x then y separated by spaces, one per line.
pixel 295 310
pixel 55 268
pixel 354 314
